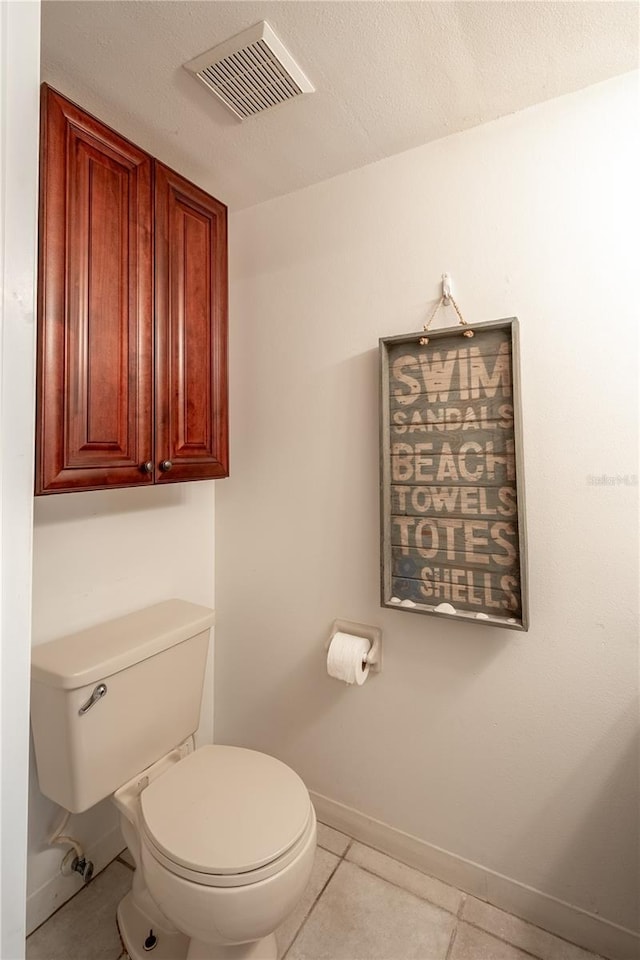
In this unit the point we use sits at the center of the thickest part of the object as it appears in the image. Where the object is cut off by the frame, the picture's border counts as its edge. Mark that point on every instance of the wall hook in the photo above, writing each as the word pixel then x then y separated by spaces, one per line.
pixel 446 289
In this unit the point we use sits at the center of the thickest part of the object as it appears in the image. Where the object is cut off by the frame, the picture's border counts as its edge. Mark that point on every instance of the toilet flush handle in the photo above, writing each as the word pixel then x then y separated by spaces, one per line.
pixel 97 694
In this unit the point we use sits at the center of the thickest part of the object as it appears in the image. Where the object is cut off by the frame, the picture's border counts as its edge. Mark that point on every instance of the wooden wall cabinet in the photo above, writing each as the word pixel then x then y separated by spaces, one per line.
pixel 132 314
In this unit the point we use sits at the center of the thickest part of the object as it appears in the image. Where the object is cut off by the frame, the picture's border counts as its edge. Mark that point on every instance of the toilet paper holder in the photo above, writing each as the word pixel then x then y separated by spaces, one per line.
pixel 372 634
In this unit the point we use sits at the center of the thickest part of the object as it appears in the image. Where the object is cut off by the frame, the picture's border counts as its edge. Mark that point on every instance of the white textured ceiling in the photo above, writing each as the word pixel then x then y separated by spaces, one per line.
pixel 388 75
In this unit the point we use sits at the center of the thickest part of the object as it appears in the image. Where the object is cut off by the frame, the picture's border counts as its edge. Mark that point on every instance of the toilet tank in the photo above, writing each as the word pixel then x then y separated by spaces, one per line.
pixel 152 663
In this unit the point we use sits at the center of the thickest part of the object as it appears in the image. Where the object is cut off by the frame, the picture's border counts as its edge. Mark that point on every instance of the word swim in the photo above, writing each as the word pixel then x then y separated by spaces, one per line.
pixel 472 462
pixel 469 587
pixel 451 418
pixel 462 370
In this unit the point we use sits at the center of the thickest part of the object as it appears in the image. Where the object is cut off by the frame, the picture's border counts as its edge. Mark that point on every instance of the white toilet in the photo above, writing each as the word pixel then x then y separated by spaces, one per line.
pixel 223 838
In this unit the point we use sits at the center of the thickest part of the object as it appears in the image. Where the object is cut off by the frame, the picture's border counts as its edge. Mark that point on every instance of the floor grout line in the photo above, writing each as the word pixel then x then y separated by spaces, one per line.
pixel 463 900
pixel 517 946
pixel 452 940
pixel 557 936
pixel 409 866
pixel 459 912
pixel 399 886
pixel 125 952
pixel 333 852
pixel 74 895
pixel 313 905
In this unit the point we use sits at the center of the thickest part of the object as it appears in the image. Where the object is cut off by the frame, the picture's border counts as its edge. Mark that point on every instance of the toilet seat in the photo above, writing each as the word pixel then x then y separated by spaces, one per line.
pixel 226 816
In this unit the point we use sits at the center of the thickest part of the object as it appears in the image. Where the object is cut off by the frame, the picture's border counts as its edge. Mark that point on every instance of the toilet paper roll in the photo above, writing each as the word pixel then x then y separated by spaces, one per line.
pixel 345 659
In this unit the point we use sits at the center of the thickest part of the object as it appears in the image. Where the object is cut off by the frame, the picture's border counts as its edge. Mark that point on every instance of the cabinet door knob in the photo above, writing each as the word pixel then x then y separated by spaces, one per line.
pixel 166 465
pixel 147 467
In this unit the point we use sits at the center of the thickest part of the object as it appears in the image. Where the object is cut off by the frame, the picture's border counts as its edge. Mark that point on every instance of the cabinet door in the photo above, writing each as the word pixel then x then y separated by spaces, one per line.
pixel 191 331
pixel 94 401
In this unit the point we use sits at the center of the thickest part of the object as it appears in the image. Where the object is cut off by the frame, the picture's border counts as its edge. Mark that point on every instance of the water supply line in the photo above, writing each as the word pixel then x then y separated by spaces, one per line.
pixel 76 863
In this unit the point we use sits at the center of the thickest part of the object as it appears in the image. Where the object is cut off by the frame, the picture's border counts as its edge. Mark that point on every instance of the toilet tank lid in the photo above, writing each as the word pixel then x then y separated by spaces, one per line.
pixel 90 655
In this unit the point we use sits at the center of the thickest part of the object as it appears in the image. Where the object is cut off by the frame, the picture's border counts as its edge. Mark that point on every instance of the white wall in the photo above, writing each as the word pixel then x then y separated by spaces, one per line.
pixel 515 751
pixel 98 555
pixel 19 79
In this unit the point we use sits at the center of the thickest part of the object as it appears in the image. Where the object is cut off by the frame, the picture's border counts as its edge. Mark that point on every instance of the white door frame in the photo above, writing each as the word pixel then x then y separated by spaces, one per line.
pixel 19 96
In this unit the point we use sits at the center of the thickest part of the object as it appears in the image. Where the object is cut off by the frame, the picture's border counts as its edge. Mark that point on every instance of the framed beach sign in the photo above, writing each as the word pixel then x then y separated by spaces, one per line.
pixel 452 484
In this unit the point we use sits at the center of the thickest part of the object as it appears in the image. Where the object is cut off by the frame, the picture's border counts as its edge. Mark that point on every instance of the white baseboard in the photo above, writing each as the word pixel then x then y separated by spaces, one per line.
pixel 58 889
pixel 564 919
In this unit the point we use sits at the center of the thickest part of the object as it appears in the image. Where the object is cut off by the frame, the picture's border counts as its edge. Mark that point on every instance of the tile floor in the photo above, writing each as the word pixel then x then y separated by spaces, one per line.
pixel 359 905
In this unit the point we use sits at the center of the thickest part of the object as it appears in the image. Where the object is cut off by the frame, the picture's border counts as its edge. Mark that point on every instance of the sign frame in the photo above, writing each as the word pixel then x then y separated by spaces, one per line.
pixel 520 621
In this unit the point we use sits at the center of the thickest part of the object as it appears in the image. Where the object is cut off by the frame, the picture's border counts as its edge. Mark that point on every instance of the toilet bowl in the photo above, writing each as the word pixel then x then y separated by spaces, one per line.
pixel 223 839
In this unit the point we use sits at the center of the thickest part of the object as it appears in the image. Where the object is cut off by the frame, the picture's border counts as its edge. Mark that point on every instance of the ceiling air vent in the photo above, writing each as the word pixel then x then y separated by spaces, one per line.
pixel 251 72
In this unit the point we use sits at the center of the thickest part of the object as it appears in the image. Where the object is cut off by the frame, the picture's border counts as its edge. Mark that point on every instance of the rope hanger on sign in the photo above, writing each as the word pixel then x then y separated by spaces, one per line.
pixel 445 299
